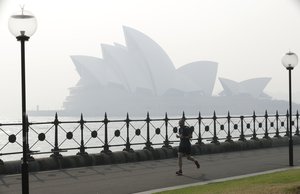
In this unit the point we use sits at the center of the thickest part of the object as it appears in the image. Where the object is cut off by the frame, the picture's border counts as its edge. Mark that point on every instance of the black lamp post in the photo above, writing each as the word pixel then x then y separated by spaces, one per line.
pixel 289 61
pixel 23 25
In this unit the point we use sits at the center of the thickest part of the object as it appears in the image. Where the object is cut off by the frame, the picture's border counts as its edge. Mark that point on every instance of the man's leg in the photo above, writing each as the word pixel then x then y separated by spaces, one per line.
pixel 189 157
pixel 179 172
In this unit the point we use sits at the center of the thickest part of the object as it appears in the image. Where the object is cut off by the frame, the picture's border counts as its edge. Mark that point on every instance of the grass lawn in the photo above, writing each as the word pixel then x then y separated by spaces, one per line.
pixel 286 182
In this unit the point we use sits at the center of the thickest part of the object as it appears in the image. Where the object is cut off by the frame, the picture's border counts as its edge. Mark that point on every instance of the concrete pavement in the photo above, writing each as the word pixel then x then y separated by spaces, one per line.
pixel 149 175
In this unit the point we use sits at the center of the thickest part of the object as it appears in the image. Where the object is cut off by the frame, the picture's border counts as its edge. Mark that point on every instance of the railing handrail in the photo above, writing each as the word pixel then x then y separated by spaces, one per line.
pixel 238 127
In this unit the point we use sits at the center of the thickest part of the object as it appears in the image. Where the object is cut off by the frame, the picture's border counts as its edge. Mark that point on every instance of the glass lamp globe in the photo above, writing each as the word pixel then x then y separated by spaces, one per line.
pixel 289 60
pixel 22 23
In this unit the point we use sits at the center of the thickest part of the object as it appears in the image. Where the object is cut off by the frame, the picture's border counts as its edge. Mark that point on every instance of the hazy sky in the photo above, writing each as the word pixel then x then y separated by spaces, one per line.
pixel 246 37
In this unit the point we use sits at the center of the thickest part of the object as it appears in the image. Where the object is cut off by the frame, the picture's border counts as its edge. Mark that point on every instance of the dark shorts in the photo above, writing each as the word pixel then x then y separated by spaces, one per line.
pixel 185 148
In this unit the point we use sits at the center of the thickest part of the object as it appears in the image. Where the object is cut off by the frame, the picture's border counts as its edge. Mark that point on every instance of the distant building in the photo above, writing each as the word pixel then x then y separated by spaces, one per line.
pixel 139 70
pixel 252 87
pixel 139 77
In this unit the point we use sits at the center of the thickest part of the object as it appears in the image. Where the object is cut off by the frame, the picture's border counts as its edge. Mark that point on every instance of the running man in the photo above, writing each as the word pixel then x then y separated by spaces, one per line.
pixel 185 148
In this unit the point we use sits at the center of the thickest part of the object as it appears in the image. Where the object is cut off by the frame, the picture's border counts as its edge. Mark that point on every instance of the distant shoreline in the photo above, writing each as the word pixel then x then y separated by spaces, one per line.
pixel 235 105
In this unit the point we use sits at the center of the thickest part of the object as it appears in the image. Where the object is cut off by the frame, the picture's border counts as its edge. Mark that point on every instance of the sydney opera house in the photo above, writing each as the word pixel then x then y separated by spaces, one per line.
pixel 140 77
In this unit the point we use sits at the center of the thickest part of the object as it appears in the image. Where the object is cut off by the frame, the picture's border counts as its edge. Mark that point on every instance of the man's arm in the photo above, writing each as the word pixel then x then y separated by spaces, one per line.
pixel 183 137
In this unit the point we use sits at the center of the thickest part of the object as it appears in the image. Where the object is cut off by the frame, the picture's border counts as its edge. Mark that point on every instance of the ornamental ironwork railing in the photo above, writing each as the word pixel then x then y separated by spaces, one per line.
pixel 64 137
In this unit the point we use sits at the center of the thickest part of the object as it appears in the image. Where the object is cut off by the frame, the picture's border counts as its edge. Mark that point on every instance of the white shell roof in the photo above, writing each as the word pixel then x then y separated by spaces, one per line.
pixel 143 64
pixel 203 73
pixel 254 86
pixel 154 59
pixel 94 68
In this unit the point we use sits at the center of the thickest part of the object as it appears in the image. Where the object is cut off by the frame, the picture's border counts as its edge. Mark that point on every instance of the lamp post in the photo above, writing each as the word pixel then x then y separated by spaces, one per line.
pixel 23 25
pixel 289 61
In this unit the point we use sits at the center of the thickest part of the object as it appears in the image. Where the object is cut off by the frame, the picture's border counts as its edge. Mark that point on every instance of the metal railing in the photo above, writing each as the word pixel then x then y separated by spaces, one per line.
pixel 59 137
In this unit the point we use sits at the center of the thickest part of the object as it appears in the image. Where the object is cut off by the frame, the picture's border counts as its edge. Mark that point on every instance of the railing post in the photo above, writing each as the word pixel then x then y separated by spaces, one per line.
pixel 228 138
pixel 166 142
pixel 82 148
pixel 242 136
pixel 287 124
pixel 183 116
pixel 55 150
pixel 1 161
pixel 105 146
pixel 148 142
pixel 199 135
pixel 277 125
pixel 215 138
pixel 266 126
pixel 297 127
pixel 29 157
pixel 128 149
pixel 254 127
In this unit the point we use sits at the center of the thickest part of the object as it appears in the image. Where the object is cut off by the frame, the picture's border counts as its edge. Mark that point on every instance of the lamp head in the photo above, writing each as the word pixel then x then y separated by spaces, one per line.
pixel 22 24
pixel 289 60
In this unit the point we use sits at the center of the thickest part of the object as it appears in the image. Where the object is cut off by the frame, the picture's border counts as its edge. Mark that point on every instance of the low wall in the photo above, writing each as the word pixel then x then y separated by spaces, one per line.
pixel 54 163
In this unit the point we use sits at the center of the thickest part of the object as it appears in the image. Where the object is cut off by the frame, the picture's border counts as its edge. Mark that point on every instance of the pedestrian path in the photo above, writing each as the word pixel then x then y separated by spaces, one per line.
pixel 149 176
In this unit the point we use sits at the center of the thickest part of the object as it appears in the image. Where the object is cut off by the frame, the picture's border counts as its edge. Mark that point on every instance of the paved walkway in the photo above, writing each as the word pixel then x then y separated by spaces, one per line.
pixel 149 175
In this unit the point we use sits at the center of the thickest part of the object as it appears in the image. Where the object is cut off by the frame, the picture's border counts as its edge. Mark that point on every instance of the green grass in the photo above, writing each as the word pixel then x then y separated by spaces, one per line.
pixel 286 182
